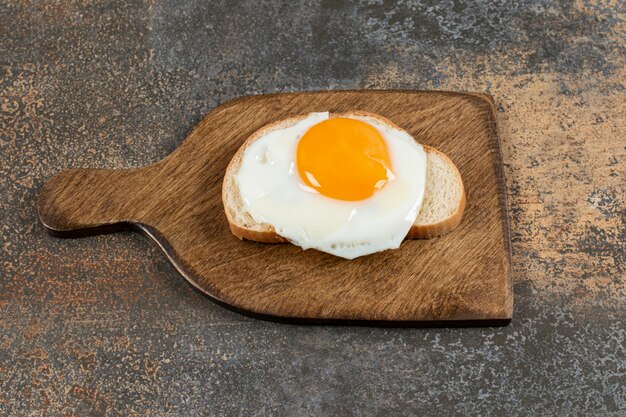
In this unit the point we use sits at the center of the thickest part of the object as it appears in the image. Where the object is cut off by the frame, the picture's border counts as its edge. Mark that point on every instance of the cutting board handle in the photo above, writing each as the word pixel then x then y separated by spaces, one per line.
pixel 90 201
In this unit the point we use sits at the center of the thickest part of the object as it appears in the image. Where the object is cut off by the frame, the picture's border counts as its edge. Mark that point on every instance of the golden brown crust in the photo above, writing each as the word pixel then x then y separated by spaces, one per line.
pixel 256 236
pixel 428 231
pixel 269 235
pixel 441 228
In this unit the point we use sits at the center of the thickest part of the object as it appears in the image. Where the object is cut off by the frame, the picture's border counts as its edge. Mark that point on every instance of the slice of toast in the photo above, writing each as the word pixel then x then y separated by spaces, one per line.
pixel 442 207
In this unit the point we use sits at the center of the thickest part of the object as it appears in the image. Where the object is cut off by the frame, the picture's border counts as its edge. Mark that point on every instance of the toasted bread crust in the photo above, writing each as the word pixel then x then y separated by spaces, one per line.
pixel 267 234
pixel 428 231
pixel 256 236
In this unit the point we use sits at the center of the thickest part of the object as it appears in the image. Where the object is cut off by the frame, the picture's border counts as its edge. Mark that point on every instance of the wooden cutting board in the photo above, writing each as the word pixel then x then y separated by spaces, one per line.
pixel 461 278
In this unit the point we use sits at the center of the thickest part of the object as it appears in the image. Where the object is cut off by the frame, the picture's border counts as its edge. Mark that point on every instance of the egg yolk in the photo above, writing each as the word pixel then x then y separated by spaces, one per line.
pixel 343 158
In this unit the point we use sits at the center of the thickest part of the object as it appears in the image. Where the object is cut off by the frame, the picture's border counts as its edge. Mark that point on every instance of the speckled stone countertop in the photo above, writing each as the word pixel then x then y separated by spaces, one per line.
pixel 104 326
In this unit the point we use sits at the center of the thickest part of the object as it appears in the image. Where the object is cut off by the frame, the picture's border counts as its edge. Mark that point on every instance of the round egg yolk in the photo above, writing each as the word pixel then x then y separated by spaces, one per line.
pixel 345 159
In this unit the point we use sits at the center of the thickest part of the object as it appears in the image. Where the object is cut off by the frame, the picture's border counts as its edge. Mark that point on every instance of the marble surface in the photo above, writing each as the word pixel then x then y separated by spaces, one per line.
pixel 104 326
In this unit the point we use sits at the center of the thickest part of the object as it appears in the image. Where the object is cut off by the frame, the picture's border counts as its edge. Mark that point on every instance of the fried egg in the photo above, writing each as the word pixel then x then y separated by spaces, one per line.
pixel 347 185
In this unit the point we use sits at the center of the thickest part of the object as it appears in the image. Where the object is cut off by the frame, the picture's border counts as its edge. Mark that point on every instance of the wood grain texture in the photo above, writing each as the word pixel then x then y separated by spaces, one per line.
pixel 459 278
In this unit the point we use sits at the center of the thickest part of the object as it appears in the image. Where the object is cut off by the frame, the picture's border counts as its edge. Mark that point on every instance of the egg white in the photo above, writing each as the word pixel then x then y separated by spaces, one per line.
pixel 274 193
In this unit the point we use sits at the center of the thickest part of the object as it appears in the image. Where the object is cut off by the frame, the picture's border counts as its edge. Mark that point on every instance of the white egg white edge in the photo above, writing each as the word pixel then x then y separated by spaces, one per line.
pixel 358 241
